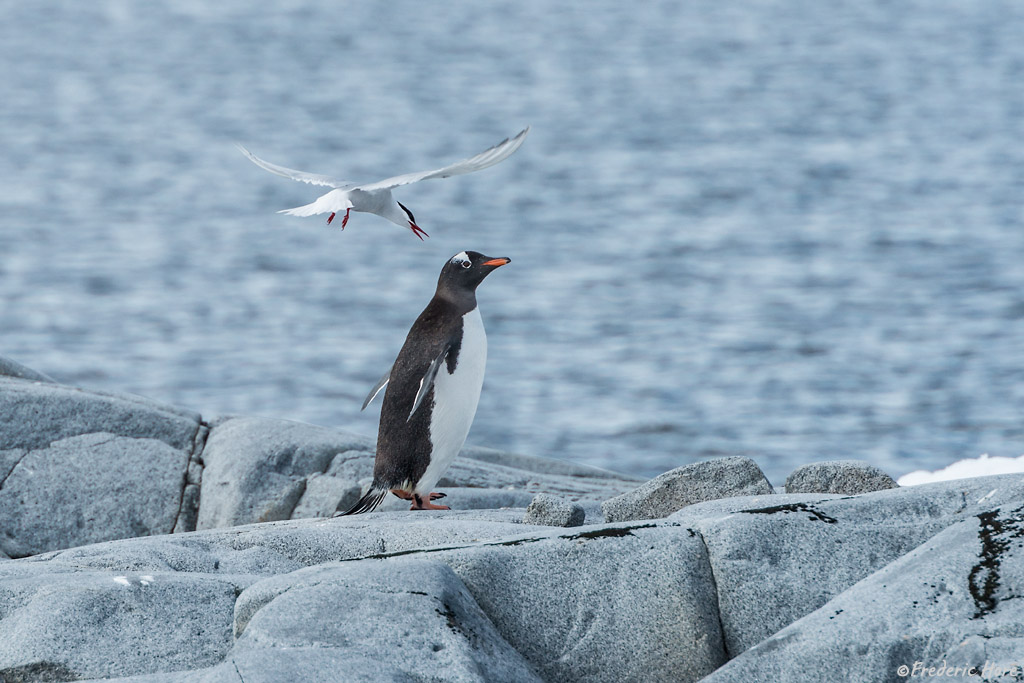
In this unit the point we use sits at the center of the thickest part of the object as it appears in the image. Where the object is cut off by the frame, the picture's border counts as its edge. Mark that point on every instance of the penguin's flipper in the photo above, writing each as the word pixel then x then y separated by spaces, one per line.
pixel 428 380
pixel 381 383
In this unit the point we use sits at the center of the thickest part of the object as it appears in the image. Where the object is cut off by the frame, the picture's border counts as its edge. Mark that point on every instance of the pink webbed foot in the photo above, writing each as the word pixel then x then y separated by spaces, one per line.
pixel 419 504
pixel 404 495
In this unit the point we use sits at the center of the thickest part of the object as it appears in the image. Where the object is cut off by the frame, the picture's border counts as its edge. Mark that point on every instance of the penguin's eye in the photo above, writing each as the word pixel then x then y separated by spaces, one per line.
pixel 466 264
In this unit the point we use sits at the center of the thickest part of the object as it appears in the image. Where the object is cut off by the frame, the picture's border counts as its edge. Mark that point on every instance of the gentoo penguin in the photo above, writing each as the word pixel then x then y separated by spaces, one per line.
pixel 432 389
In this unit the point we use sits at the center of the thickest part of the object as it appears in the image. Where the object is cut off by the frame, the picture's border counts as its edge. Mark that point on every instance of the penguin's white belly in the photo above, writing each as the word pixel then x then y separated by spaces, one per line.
pixel 455 399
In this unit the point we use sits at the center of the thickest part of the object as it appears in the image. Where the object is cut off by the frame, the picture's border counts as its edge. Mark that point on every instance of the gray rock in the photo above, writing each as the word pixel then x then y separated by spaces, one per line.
pixel 411 616
pixel 576 605
pixel 952 602
pixel 777 558
pixel 548 510
pixel 10 368
pixel 538 465
pixel 35 415
pixel 276 665
pixel 324 495
pixel 93 624
pixel 188 512
pixel 848 477
pixel 79 467
pixel 280 547
pixel 90 488
pixel 259 470
pixel 473 473
pixel 608 603
pixel 256 469
pixel 675 489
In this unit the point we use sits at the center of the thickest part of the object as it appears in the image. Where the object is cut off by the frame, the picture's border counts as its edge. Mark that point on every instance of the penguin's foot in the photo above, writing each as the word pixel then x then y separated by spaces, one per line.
pixel 404 495
pixel 419 504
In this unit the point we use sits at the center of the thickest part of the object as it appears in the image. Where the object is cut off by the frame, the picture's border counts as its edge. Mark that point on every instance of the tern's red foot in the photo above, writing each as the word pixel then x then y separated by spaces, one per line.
pixel 344 221
pixel 404 495
pixel 330 218
pixel 418 231
pixel 419 504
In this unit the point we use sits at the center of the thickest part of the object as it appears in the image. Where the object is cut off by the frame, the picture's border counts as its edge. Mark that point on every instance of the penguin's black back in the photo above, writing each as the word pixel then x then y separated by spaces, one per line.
pixel 403 444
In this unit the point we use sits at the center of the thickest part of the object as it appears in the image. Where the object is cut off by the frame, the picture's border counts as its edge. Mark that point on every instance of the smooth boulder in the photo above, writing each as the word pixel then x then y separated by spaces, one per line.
pixel 66 626
pixel 696 483
pixel 10 368
pixel 415 617
pixel 847 477
pixel 548 510
pixel 79 467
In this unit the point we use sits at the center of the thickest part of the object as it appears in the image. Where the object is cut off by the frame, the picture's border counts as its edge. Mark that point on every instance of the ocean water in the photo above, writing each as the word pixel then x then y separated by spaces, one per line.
pixel 787 230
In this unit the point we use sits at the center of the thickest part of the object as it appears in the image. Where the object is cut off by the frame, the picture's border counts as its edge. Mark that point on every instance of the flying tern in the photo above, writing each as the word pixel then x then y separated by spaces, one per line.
pixel 376 197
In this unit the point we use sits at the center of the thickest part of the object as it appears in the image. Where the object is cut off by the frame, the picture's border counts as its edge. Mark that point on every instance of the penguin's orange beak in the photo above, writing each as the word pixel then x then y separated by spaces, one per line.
pixel 496 262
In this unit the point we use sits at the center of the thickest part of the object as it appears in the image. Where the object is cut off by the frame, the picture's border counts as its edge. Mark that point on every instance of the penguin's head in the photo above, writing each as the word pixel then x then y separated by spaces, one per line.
pixel 467 269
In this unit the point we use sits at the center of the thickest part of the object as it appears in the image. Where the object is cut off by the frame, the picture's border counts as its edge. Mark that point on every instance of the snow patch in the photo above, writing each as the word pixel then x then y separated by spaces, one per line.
pixel 964 469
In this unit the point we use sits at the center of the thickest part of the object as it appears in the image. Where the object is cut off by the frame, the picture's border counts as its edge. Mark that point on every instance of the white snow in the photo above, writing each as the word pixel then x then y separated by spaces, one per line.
pixel 963 469
pixel 141 580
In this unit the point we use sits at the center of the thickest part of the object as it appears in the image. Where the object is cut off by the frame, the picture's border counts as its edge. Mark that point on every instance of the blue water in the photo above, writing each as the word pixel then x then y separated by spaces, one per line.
pixel 787 230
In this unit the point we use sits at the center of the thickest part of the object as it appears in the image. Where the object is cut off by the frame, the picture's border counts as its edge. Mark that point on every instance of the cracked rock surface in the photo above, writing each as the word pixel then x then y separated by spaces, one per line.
pixel 773 587
pixel 79 467
pixel 952 599
pixel 748 585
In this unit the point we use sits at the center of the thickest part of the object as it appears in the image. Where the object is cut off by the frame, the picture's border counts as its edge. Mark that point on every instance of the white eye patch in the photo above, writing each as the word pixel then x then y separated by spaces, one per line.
pixel 461 257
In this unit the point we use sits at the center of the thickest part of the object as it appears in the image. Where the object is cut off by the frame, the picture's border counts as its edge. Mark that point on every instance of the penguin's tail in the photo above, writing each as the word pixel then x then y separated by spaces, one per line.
pixel 368 503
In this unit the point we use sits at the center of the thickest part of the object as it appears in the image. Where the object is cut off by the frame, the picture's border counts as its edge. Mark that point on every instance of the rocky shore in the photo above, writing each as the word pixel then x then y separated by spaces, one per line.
pixel 147 543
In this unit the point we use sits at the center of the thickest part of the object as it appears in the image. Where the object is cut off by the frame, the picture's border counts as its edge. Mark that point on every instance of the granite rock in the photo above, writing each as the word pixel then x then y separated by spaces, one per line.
pixel 259 470
pixel 848 477
pixel 256 469
pixel 92 624
pixel 78 467
pixel 10 368
pixel 602 603
pixel 116 487
pixel 777 558
pixel 414 616
pixel 667 599
pixel 34 415
pixel 548 510
pixel 951 602
pixel 675 489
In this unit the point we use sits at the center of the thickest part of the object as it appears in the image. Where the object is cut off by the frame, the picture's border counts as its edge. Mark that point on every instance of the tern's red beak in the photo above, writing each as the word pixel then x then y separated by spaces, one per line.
pixel 418 231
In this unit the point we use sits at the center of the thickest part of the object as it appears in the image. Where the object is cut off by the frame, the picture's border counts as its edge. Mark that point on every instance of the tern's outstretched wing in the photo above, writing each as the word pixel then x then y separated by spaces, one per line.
pixel 501 151
pixel 301 176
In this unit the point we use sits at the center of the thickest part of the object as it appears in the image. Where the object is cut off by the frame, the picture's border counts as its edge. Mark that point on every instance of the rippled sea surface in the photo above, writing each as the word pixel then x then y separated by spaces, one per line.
pixel 787 230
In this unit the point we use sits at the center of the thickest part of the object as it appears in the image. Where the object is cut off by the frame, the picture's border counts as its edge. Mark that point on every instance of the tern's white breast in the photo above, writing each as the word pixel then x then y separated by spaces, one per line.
pixel 455 399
